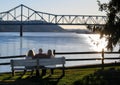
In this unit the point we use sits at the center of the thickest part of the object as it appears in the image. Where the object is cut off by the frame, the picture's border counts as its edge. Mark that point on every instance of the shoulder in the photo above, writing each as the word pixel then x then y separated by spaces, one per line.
pixel 28 57
pixel 36 54
pixel 52 56
pixel 44 55
pixel 40 56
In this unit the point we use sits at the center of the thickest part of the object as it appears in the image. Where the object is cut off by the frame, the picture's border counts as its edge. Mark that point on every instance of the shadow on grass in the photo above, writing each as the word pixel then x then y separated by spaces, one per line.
pixel 101 77
pixel 33 80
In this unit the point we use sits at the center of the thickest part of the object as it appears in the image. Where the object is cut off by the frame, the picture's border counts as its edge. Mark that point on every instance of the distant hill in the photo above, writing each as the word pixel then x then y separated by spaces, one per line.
pixel 31 28
pixel 81 31
pixel 40 28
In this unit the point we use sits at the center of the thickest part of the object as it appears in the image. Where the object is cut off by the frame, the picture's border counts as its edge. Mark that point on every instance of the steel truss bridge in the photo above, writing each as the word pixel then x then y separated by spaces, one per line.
pixel 23 15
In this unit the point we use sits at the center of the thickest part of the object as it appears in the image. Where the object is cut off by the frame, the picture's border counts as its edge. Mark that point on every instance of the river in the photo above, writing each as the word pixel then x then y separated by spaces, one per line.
pixel 12 44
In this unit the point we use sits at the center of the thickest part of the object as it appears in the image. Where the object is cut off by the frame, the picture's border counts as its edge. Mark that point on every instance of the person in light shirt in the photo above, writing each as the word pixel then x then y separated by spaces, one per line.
pixel 30 55
pixel 50 55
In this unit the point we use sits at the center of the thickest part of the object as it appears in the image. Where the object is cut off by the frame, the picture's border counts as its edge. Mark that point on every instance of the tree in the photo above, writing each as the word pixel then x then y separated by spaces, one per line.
pixel 111 30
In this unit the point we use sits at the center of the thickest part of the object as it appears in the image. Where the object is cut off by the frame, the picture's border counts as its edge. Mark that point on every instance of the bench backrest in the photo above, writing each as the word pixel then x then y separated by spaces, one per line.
pixel 24 62
pixel 52 61
pixel 37 62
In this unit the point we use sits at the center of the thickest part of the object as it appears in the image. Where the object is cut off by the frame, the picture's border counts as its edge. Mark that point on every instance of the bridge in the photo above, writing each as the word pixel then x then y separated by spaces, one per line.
pixel 23 15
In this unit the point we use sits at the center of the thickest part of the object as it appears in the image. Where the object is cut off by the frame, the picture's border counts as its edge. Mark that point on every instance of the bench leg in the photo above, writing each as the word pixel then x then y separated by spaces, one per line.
pixel 24 72
pixel 37 72
pixel 13 72
pixel 43 72
pixel 32 72
pixel 63 70
pixel 52 71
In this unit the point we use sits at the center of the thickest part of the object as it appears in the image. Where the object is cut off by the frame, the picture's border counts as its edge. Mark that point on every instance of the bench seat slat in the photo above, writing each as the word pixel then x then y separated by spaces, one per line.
pixel 19 68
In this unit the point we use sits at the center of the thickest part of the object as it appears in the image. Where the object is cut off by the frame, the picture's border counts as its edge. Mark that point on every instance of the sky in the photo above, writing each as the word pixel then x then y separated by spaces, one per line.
pixel 62 7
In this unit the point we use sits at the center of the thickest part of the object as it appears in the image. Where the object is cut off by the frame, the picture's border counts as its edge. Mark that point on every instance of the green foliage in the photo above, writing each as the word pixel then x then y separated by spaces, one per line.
pixel 102 77
pixel 112 28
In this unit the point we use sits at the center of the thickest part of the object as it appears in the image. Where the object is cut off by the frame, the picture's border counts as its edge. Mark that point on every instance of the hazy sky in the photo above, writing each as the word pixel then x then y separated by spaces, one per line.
pixel 69 7
pixel 75 7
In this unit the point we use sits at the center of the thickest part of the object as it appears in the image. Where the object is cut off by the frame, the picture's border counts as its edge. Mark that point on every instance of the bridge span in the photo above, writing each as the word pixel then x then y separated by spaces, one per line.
pixel 23 15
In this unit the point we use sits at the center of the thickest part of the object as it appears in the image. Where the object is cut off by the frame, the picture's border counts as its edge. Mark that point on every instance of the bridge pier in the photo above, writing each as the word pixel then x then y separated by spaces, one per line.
pixel 21 30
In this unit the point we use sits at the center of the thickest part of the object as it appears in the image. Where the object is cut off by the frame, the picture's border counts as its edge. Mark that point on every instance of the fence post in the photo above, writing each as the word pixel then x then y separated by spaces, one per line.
pixel 54 51
pixel 102 59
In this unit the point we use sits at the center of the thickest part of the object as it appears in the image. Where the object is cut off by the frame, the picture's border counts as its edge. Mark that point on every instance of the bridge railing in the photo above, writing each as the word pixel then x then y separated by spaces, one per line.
pixel 73 53
pixel 24 15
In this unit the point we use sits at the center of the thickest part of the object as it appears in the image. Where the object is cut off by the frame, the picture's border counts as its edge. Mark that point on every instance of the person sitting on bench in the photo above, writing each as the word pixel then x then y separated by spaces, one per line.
pixel 41 55
pixel 50 55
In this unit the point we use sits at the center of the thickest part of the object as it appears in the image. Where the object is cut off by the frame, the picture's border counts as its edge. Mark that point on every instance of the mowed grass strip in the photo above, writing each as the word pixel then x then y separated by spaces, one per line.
pixel 79 76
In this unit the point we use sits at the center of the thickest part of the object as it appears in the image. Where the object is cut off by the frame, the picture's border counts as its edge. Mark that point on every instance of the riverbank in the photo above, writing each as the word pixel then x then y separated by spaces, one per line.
pixel 79 76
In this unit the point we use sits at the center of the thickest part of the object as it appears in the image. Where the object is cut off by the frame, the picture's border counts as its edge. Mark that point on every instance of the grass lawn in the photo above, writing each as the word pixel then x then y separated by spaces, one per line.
pixel 79 76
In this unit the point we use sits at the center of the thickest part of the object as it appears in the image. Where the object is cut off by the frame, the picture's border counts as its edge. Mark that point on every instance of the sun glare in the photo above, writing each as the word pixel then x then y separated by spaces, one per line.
pixel 97 43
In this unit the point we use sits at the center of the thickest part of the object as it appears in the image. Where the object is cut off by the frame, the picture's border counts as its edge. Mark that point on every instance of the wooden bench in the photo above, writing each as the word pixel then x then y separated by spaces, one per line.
pixel 49 63
pixel 53 63
pixel 22 64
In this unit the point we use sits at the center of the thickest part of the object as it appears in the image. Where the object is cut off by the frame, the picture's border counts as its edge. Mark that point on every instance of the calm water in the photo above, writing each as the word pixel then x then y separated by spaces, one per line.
pixel 12 44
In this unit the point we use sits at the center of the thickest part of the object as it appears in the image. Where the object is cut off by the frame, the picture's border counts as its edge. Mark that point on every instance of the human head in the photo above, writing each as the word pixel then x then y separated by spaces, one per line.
pixel 31 53
pixel 40 50
pixel 49 52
